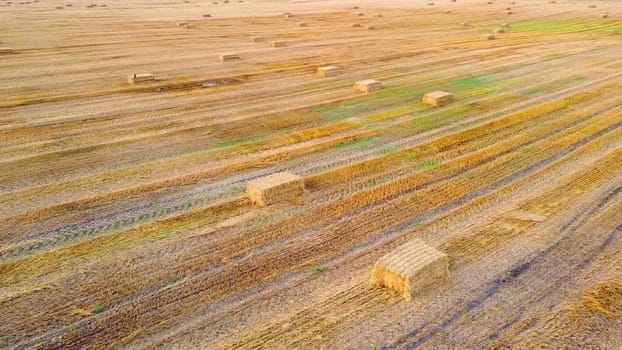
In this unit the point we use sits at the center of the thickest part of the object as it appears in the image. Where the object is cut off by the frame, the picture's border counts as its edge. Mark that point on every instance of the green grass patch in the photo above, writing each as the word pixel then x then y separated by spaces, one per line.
pixel 429 164
pixel 550 25
pixel 473 82
pixel 235 141
pixel 338 112
pixel 361 143
pixel 98 309
pixel 571 80
pixel 435 118
pixel 383 104
pixel 535 91
pixel 317 269
pixel 554 85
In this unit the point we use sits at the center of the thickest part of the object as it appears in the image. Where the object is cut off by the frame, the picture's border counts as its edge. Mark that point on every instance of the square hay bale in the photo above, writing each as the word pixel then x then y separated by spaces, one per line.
pixel 360 14
pixel 189 26
pixel 438 98
pixel 489 37
pixel 278 43
pixel 368 85
pixel 430 4
pixel 379 15
pixel 289 15
pixel 447 12
pixel 228 57
pixel 506 25
pixel 275 188
pixel 498 30
pixel 509 13
pixel 301 24
pixel 256 39
pixel 355 7
pixel 604 15
pixel 181 24
pixel 411 269
pixel 371 27
pixel 466 24
pixel 552 2
pixel 356 25
pixel 6 50
pixel 328 71
pixel 592 6
pixel 207 15
pixel 140 78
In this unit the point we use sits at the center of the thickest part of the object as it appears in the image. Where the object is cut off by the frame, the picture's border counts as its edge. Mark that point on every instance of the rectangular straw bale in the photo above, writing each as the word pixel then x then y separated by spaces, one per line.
pixel 275 188
pixel 256 39
pixel 411 269
pixel 278 43
pixel 368 85
pixel 140 78
pixel 6 50
pixel 328 71
pixel 438 98
pixel 228 57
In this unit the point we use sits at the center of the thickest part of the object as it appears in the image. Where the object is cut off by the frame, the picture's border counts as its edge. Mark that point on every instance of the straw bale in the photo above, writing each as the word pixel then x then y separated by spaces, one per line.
pixel 368 85
pixel 438 98
pixel 275 188
pixel 140 78
pixel 411 269
pixel 328 71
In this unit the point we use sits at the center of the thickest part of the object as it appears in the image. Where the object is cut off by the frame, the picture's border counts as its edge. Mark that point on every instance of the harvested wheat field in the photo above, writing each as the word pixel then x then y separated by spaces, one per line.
pixel 183 187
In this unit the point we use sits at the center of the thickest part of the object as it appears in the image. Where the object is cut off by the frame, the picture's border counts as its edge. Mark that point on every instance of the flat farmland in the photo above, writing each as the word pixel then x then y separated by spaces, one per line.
pixel 124 217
